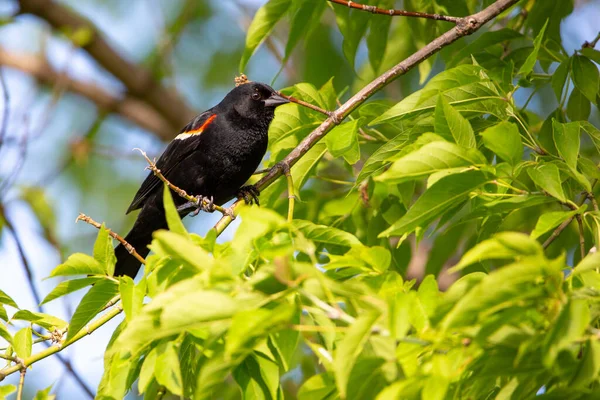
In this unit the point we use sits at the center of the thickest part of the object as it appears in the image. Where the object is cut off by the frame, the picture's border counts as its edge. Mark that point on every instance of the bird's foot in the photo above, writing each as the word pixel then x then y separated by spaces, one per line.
pixel 250 194
pixel 205 204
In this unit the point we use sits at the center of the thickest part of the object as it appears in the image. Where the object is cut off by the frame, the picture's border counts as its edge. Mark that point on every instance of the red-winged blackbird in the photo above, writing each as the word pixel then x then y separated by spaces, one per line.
pixel 213 156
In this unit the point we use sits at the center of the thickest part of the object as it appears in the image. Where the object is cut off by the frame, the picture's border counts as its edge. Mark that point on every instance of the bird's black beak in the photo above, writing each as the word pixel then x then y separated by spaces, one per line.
pixel 275 100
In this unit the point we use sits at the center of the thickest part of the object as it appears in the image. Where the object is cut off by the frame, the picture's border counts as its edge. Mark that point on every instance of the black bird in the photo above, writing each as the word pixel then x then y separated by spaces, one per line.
pixel 213 156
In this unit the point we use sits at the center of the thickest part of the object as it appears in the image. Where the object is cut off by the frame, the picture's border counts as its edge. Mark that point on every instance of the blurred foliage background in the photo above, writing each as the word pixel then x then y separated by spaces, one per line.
pixel 76 110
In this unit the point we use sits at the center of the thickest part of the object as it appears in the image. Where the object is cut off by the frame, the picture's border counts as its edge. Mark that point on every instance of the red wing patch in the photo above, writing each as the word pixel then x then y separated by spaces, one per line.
pixel 199 130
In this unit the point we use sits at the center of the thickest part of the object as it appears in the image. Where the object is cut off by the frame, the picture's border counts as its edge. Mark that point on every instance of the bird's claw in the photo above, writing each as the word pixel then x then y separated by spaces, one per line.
pixel 229 212
pixel 205 204
pixel 250 194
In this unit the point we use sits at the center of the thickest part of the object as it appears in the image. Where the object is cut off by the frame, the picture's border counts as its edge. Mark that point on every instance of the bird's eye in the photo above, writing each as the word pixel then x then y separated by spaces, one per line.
pixel 256 96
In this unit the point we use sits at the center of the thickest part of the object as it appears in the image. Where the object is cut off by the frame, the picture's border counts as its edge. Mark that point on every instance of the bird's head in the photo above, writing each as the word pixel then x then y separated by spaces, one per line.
pixel 254 100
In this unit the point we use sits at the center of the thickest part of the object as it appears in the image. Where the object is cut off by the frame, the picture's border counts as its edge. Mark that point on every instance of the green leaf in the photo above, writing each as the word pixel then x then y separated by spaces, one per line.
pixel 503 246
pixel 177 310
pixel 132 296
pixel 439 198
pixel 377 160
pixel 249 326
pixel 585 77
pixel 22 342
pixel 325 234
pixel 566 138
pixel 431 158
pixel 303 168
pixel 353 25
pixel 451 125
pixel 377 37
pixel 592 54
pixel 578 107
pixel 70 286
pixel 167 369
pixel 559 78
pixel 263 23
pixel 48 322
pixel 91 304
pixel 6 299
pixel 467 87
pixel 551 220
pixel 306 15
pixel 547 177
pixel 44 394
pixel 350 347
pixel 6 390
pixel 258 377
pixel 5 334
pixel 504 140
pixel 173 219
pixel 147 371
pixel 104 252
pixel 79 264
pixel 589 368
pixel 318 387
pixel 589 263
pixel 527 67
pixel 483 43
pixel 342 141
pixel 182 249
pixel 569 327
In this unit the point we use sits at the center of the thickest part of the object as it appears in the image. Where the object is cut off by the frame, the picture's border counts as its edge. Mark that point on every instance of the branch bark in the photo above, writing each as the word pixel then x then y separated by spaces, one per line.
pixel 135 110
pixel 465 26
pixel 396 13
pixel 138 80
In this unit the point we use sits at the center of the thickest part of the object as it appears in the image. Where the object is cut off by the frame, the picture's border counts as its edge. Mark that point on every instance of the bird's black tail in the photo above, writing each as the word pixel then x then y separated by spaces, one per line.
pixel 149 220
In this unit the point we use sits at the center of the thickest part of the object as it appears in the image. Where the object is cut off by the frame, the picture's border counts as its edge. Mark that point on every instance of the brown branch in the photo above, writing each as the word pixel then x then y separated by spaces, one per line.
pixel 114 235
pixel 591 44
pixel 138 80
pixel 465 26
pixel 305 104
pixel 394 13
pixel 129 107
pixel 557 232
pixel 194 201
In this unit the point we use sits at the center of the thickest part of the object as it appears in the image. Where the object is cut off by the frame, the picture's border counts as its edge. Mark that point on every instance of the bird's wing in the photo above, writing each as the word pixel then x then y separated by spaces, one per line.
pixel 185 143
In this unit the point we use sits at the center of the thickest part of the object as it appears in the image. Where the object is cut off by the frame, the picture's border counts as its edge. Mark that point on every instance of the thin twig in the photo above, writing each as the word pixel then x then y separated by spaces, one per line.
pixel 21 384
pixel 466 26
pixel 198 201
pixel 30 279
pixel 66 343
pixel 393 12
pixel 305 104
pixel 114 235
pixel 591 44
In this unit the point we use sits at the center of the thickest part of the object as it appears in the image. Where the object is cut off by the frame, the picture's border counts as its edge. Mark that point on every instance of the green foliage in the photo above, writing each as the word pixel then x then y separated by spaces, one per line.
pixel 500 197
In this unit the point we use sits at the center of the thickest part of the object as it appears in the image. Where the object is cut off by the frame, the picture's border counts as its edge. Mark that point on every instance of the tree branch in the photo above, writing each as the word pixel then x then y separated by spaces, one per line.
pixel 66 363
pixel 56 348
pixel 138 80
pixel 394 13
pixel 465 26
pixel 128 247
pixel 194 202
pixel 129 107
